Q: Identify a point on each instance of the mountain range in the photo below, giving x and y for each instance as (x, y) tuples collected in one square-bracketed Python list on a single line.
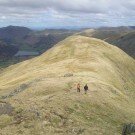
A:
[(25, 39)]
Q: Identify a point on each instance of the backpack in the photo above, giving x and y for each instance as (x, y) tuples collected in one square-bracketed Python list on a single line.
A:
[(86, 87)]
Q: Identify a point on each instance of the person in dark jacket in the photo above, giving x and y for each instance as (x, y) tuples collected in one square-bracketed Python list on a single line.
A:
[(86, 88)]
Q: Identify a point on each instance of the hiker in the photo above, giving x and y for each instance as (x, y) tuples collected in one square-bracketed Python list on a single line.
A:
[(86, 88), (78, 87)]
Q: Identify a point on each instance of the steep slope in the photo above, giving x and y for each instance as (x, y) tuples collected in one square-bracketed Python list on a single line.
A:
[(126, 43), (42, 90)]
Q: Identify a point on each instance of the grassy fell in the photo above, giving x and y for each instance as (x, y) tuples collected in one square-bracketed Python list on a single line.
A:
[(49, 103)]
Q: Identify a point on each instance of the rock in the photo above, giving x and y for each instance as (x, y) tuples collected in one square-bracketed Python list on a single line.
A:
[(6, 108), (128, 129), (45, 123), (68, 75)]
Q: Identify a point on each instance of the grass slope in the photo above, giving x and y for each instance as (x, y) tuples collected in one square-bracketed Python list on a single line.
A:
[(46, 102)]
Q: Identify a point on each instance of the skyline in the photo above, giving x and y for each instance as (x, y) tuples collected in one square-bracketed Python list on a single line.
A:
[(63, 14)]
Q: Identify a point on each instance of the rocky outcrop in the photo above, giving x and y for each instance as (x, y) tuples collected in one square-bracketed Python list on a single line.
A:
[(5, 108), (128, 129)]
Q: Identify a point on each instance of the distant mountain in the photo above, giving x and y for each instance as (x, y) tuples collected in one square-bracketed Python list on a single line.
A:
[(120, 28), (55, 31), (106, 33), (7, 51), (29, 40), (122, 37), (126, 43), (41, 42), (12, 34), (132, 27)]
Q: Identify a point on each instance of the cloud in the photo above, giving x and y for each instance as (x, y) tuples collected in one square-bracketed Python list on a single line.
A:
[(88, 11)]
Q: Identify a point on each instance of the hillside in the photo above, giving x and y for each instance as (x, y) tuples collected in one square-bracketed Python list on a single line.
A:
[(126, 43), (39, 96), (6, 54), (7, 51)]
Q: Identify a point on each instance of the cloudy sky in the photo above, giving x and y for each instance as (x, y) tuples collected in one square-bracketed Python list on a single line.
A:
[(67, 13)]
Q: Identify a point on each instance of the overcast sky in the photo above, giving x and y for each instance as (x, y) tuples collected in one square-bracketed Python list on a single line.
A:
[(67, 13)]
